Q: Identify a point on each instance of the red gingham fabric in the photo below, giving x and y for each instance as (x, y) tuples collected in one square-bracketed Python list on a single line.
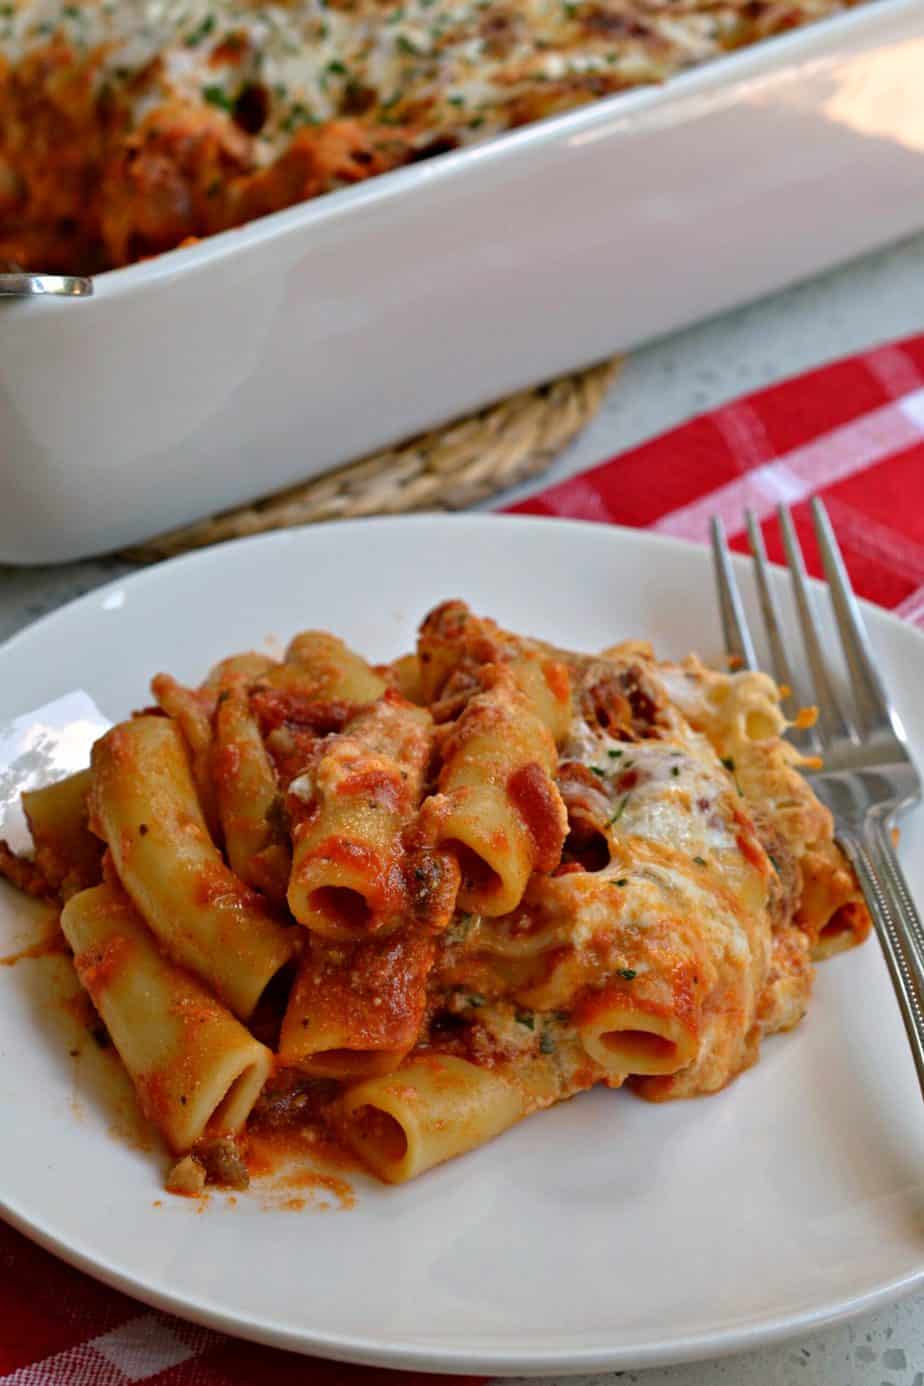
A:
[(852, 432), (60, 1328)]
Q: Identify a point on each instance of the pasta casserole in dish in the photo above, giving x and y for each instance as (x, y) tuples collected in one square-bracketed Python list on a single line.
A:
[(128, 127)]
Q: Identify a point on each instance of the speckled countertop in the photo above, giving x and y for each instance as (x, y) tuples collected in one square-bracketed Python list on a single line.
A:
[(873, 300)]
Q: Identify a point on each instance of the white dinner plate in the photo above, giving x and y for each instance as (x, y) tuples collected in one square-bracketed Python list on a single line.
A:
[(606, 1233)]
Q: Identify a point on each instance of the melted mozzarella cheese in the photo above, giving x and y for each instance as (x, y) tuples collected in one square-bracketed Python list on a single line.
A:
[(677, 795), (459, 65), (668, 791)]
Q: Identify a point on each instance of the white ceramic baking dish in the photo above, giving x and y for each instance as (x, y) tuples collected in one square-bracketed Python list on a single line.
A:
[(269, 354)]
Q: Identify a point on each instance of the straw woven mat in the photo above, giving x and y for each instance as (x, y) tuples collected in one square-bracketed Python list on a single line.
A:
[(448, 468)]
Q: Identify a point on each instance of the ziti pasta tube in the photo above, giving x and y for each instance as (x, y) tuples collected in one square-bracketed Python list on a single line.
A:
[(498, 807), (143, 804), (191, 711), (432, 1108), (68, 855), (348, 812), (194, 1067), (332, 669), (248, 798), (357, 1010)]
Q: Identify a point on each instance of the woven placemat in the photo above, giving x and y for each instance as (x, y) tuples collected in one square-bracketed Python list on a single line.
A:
[(445, 469)]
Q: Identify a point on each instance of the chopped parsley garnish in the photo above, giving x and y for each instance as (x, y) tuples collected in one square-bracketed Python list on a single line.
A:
[(201, 31), (404, 45), (474, 998), (526, 1018), (729, 764), (460, 928), (675, 770), (628, 974), (299, 115), (620, 810), (623, 880), (774, 862), (700, 861), (71, 12), (336, 67), (613, 754), (476, 122), (217, 96), (396, 16), (570, 9), (546, 1043), (597, 770)]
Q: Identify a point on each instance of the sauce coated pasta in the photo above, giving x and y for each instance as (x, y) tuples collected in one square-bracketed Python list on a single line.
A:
[(129, 127), (415, 903)]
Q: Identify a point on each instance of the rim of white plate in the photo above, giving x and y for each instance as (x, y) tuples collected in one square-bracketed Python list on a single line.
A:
[(410, 1355)]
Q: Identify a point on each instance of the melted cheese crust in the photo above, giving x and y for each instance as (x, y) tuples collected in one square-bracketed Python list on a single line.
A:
[(678, 894), (740, 714), (150, 121)]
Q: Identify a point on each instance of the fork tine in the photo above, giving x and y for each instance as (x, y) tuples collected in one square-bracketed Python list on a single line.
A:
[(738, 640), (873, 707), (831, 718), (805, 737), (781, 669)]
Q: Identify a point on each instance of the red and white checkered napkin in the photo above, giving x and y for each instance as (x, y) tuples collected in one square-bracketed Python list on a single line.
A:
[(60, 1328), (852, 432)]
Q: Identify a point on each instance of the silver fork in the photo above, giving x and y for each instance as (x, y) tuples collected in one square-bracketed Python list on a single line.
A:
[(868, 777)]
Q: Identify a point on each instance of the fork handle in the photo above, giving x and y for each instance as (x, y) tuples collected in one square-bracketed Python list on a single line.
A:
[(896, 921), (880, 828)]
